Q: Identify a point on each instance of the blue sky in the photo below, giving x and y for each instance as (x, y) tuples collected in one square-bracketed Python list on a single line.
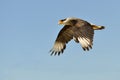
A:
[(28, 29)]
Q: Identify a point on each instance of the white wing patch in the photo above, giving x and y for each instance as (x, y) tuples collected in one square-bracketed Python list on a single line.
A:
[(85, 43), (58, 48)]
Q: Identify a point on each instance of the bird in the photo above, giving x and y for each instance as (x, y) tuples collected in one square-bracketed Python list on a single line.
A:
[(75, 29)]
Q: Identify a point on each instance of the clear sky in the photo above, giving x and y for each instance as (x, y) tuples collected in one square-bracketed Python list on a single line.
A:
[(28, 29)]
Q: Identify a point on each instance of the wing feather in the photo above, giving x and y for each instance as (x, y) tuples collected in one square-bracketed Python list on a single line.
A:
[(84, 34), (64, 36)]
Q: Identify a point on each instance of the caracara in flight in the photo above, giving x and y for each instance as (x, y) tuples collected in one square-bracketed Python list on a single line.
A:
[(77, 29)]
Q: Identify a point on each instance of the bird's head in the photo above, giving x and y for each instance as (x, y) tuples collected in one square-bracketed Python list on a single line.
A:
[(67, 21), (62, 21)]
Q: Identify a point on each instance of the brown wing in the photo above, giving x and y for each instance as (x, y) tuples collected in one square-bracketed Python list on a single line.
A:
[(64, 36), (84, 34)]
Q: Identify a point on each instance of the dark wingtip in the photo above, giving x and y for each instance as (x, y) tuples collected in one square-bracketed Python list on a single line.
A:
[(58, 53), (55, 53), (90, 46), (87, 48), (52, 52), (84, 49)]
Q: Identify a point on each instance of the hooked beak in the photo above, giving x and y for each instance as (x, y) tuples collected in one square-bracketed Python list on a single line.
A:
[(60, 22)]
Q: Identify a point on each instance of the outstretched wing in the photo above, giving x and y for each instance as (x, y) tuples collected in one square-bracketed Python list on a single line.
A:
[(83, 33), (64, 36)]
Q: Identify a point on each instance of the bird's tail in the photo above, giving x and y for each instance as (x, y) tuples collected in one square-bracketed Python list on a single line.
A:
[(95, 27)]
